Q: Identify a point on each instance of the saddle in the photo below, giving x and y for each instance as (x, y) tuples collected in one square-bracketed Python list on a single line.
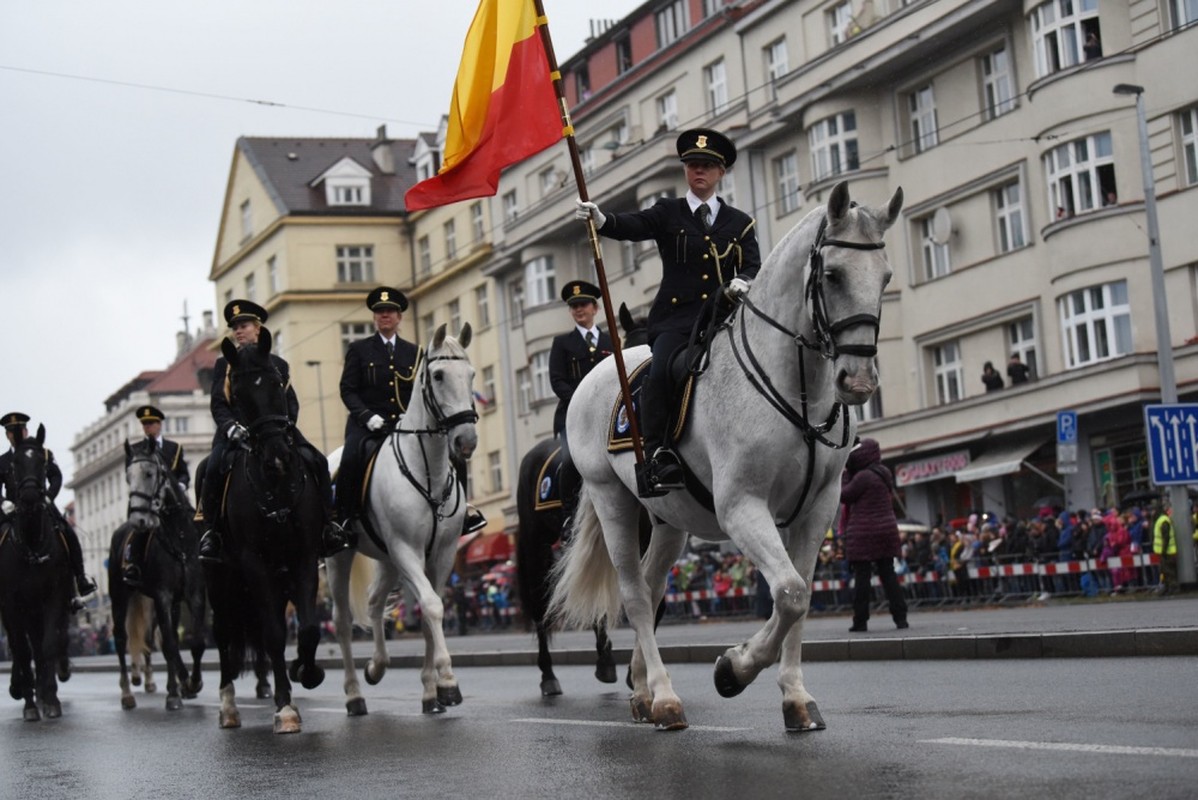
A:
[(681, 388), (369, 451), (549, 492)]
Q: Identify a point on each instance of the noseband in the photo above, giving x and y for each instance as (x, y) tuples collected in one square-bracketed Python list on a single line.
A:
[(444, 422), (825, 331), (154, 504)]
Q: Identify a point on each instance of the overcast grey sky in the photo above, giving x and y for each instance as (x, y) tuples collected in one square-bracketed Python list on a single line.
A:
[(113, 190)]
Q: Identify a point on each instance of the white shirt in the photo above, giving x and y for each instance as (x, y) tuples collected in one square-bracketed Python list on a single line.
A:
[(584, 331), (694, 202)]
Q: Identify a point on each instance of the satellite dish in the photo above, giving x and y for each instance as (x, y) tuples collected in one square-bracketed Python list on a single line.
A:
[(942, 226)]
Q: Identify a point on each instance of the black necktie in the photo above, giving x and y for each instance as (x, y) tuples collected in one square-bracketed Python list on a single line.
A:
[(590, 340), (391, 349), (703, 212)]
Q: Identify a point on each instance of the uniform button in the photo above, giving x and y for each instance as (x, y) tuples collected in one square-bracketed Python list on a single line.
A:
[(705, 256), (391, 400), (704, 297), (706, 277), (674, 300), (707, 238)]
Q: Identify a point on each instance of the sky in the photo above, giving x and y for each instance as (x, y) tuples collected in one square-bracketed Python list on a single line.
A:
[(116, 138)]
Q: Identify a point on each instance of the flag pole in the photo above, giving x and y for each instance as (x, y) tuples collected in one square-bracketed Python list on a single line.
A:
[(592, 234)]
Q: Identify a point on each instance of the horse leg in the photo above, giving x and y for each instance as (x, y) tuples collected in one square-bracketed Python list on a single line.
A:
[(170, 648), (799, 711), (49, 649), (120, 640), (274, 638), (550, 687), (262, 688), (605, 662), (385, 578), (338, 569), (196, 636), (22, 678)]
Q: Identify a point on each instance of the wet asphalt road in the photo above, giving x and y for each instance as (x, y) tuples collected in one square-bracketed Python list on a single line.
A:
[(1060, 728)]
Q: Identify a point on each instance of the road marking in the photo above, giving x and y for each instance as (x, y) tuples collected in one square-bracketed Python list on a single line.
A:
[(601, 724), (1114, 749)]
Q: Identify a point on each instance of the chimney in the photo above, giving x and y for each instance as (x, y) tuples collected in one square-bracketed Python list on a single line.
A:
[(380, 151), (182, 344), (209, 330)]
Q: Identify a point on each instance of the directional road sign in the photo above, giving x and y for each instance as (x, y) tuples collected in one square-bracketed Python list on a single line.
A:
[(1172, 433)]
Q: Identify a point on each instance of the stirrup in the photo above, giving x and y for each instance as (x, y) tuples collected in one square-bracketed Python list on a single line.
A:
[(85, 585), (210, 546), (475, 521), (131, 575), (335, 538)]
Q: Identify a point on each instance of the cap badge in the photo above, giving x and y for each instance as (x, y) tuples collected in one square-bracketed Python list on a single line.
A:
[(577, 290), (701, 141), (236, 310), (385, 296)]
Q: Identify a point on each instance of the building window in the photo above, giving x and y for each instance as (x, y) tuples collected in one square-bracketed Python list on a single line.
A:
[(1021, 337), (921, 106), (495, 468), (623, 54), (428, 326), (424, 256), (1184, 12), (711, 7), (251, 288), (716, 83), (1081, 175), (1008, 204), (998, 87), (482, 307), (247, 221), (510, 209), (586, 157), (777, 64), (451, 240), (539, 281), (523, 391), (455, 316), (352, 332), (1189, 142), (347, 196), (272, 275), (840, 19), (871, 409), (228, 296), (1064, 33), (182, 424), (786, 181), (477, 226), (667, 110), (489, 389), (515, 295), (935, 254), (833, 143), (950, 375), (671, 23), (355, 263), (582, 82), (1095, 324), (541, 389)]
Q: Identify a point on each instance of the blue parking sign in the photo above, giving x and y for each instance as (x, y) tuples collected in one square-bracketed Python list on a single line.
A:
[(1066, 427), (1171, 431)]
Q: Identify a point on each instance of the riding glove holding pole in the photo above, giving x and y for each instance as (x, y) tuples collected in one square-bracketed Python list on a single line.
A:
[(375, 423), (585, 209), (736, 289)]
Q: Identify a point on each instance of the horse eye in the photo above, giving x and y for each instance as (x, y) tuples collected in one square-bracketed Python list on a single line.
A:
[(438, 376)]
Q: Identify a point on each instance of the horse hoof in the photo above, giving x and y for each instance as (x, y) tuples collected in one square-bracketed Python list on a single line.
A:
[(230, 719), (725, 679), (64, 671), (551, 688), (191, 689), (174, 703), (151, 687), (432, 707), (605, 672), (369, 676), (356, 707), (293, 671), (32, 714), (128, 702), (135, 680), (802, 719), (53, 710), (263, 691), (14, 693), (669, 717), (449, 695), (287, 720), (641, 712), (311, 677)]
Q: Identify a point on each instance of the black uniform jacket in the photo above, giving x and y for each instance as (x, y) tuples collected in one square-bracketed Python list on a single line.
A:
[(222, 411), (570, 359), (694, 262), (374, 383), (53, 475), (172, 456)]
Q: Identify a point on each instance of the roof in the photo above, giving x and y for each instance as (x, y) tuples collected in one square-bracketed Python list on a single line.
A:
[(288, 166), (182, 377)]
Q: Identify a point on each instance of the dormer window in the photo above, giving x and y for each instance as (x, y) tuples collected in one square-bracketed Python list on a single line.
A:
[(346, 183)]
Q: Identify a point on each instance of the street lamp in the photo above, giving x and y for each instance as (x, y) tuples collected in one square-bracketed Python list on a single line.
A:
[(324, 440), (1178, 496)]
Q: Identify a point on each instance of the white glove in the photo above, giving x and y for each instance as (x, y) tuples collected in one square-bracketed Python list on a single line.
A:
[(7, 507), (375, 423), (236, 432), (586, 209), (182, 489), (736, 288)]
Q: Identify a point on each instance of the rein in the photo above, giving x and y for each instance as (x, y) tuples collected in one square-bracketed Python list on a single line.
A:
[(274, 505)]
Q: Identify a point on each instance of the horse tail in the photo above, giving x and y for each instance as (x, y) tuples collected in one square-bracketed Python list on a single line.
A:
[(586, 589), (360, 575), (534, 546), (138, 617)]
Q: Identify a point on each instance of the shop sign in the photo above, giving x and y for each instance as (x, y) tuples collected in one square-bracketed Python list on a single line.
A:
[(930, 469)]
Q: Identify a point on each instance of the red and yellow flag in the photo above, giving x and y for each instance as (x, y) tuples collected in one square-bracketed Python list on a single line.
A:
[(504, 106)]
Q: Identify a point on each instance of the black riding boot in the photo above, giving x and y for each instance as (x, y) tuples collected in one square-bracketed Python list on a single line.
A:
[(333, 537), (662, 471), (210, 541)]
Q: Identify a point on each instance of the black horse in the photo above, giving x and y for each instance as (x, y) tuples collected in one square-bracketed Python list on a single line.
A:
[(274, 514), (35, 584), (161, 525), (541, 518)]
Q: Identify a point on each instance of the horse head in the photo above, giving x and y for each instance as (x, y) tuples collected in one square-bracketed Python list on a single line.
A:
[(258, 393), (636, 330), (447, 390), (847, 273), (28, 478), (149, 484)]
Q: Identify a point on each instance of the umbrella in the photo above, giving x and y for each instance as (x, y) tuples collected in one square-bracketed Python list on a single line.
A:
[(913, 526), (1140, 497)]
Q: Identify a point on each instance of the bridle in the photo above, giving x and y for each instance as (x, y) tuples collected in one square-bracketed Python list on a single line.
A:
[(35, 511), (152, 502), (275, 504)]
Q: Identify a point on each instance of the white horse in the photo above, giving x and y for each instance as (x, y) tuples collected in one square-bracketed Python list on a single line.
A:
[(416, 508), (768, 435)]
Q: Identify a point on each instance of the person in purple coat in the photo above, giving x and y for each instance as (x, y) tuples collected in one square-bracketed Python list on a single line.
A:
[(870, 531)]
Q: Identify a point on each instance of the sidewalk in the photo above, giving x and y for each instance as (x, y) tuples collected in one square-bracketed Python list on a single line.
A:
[(1122, 627)]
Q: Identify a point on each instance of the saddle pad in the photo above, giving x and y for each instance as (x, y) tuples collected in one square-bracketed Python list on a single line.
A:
[(549, 493), (367, 474), (619, 437)]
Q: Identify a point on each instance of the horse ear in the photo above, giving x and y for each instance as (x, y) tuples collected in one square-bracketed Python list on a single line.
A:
[(838, 203), (128, 453), (626, 321), (439, 337), (41, 434), (229, 351), (265, 340), (465, 336), (894, 207)]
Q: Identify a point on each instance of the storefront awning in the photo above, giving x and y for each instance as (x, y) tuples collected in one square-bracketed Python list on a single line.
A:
[(998, 460), (488, 548)]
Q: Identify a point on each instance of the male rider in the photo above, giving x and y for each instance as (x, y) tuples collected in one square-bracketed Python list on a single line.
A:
[(171, 453)]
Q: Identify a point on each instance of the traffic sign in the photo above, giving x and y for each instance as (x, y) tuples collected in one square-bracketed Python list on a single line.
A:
[(1066, 459), (1066, 427), (1172, 433)]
